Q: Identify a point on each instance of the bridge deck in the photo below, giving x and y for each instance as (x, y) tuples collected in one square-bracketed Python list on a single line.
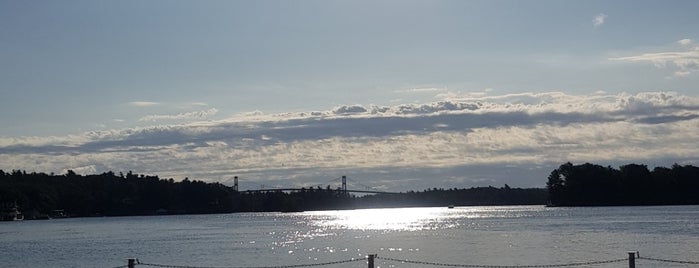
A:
[(299, 189)]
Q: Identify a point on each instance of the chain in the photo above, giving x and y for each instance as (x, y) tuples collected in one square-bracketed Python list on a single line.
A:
[(503, 266), (422, 263), (670, 261), (279, 266)]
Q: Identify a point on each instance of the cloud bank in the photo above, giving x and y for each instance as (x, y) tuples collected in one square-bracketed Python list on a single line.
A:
[(460, 142)]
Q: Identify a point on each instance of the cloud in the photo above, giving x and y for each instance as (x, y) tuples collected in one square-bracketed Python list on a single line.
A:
[(684, 62), (685, 42), (143, 103), (86, 170), (347, 110), (598, 20), (181, 116), (407, 145), (421, 90)]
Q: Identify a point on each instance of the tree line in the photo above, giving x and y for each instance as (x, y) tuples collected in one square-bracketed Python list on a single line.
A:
[(110, 194), (632, 184)]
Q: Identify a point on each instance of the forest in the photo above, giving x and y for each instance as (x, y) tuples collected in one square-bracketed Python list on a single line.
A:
[(632, 184), (40, 195)]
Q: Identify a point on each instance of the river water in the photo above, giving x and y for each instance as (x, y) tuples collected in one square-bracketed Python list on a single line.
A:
[(517, 235)]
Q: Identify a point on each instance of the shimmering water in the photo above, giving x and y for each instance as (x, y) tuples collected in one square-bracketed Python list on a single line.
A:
[(463, 235)]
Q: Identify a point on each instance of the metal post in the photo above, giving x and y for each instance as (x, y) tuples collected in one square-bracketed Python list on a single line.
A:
[(235, 183), (632, 259), (132, 263), (371, 260)]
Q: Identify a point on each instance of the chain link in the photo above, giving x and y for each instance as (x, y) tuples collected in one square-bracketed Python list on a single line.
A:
[(503, 266), (668, 261), (279, 266), (422, 263)]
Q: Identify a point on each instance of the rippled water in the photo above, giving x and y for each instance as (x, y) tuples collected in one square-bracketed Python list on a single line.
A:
[(464, 235)]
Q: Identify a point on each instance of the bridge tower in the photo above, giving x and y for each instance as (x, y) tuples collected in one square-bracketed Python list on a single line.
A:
[(235, 183), (344, 184)]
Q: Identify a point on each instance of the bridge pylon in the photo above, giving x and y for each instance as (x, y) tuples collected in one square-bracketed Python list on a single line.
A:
[(344, 184)]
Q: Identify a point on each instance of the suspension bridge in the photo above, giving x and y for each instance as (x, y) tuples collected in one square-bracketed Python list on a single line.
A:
[(343, 187)]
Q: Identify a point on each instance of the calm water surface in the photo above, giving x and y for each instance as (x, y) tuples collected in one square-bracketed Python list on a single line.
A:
[(518, 235)]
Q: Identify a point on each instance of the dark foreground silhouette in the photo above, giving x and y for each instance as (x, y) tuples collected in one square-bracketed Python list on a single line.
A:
[(41, 195), (632, 184)]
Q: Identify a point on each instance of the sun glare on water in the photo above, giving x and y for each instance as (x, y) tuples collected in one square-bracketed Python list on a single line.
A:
[(392, 219)]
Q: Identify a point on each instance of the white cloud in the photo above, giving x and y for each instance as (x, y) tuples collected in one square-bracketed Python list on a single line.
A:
[(526, 131), (681, 73), (86, 170), (598, 20), (685, 42), (421, 90), (684, 62), (196, 115), (143, 103)]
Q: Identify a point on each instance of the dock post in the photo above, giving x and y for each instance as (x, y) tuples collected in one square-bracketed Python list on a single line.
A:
[(132, 263), (632, 259), (371, 260)]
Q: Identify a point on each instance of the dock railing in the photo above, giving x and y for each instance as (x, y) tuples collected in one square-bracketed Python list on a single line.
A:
[(632, 259)]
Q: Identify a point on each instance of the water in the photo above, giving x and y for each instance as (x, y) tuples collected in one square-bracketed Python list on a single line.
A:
[(518, 235)]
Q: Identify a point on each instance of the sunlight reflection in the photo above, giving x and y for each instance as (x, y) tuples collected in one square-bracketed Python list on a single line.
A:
[(398, 219)]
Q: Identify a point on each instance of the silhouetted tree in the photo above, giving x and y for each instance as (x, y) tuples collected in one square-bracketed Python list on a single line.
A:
[(632, 184)]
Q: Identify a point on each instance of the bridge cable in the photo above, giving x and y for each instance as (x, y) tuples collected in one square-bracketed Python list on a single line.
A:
[(363, 185)]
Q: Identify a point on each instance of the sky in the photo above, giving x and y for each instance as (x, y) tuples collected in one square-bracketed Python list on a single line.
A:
[(396, 95)]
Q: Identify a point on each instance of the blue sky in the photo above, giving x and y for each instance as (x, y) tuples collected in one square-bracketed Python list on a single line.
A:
[(224, 86)]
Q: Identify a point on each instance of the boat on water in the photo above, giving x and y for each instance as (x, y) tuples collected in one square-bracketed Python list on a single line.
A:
[(58, 214), (10, 212), (450, 206)]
